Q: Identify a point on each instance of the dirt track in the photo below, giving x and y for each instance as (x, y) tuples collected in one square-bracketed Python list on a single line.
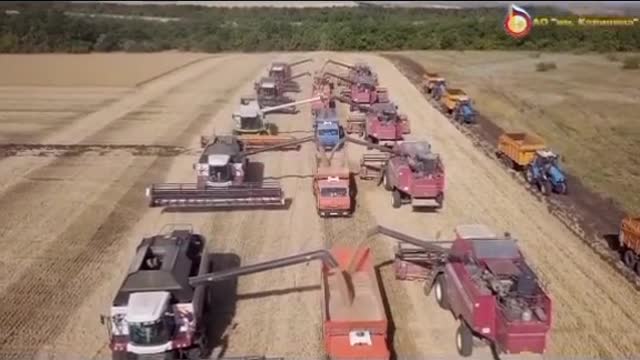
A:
[(85, 215)]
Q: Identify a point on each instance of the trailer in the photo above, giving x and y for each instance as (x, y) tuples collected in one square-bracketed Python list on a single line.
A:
[(431, 80), (354, 321), (452, 97), (629, 240), (487, 285)]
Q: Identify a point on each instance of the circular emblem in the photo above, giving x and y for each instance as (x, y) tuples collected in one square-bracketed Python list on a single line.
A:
[(518, 23)]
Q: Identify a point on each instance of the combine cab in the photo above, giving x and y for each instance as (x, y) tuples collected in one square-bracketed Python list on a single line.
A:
[(283, 74), (221, 180), (486, 283), (410, 170)]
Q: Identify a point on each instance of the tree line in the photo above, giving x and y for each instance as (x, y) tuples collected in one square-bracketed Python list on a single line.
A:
[(33, 27)]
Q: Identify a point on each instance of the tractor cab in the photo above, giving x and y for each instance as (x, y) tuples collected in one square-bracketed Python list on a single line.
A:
[(545, 172)]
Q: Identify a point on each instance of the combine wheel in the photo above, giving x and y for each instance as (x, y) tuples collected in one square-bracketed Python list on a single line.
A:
[(464, 339), (396, 199), (630, 259), (385, 179), (439, 291)]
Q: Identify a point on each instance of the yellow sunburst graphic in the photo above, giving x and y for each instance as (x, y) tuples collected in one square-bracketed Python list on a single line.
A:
[(517, 24)]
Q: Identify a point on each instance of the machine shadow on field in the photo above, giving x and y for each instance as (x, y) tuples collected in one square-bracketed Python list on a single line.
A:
[(387, 309), (222, 303), (278, 292)]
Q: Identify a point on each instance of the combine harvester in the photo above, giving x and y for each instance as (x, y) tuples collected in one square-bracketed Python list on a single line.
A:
[(354, 71), (282, 72), (270, 92), (362, 91), (486, 283), (161, 309), (457, 105), (250, 121), (156, 313), (221, 180), (333, 185), (410, 170), (379, 123), (528, 154)]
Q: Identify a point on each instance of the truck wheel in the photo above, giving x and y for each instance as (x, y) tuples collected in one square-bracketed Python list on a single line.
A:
[(630, 259), (387, 184), (464, 340), (440, 292), (396, 199)]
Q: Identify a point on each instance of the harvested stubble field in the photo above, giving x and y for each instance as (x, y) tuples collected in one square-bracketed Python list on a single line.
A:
[(70, 224)]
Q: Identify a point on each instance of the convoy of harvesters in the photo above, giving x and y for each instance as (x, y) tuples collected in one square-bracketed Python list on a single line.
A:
[(480, 277)]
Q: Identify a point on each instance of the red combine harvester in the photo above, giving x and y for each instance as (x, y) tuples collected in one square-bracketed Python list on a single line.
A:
[(379, 123), (410, 170), (221, 180), (283, 73), (355, 323), (355, 70), (362, 90), (488, 286)]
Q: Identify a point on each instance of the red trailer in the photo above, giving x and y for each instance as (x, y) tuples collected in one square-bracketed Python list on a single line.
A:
[(486, 283), (355, 323)]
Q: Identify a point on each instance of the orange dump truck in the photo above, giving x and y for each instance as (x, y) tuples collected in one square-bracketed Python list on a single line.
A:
[(430, 80), (630, 242), (452, 97), (517, 150), (332, 185), (354, 320)]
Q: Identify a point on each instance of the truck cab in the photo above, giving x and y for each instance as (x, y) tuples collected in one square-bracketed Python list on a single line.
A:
[(333, 196)]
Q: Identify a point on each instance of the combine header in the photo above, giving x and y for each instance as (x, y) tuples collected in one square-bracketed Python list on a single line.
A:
[(487, 284), (410, 170), (270, 92), (221, 180), (283, 74)]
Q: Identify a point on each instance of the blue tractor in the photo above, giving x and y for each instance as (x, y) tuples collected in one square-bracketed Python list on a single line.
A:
[(464, 113), (327, 128), (545, 172)]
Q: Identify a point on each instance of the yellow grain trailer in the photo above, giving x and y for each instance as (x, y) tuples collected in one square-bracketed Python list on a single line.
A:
[(517, 150)]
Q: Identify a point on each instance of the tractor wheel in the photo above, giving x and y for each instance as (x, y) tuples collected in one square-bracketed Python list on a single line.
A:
[(563, 189), (630, 258), (396, 199), (120, 355), (440, 292), (637, 269), (545, 187), (385, 180), (528, 175), (464, 339)]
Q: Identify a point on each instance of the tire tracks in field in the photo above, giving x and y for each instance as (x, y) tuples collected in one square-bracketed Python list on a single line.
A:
[(39, 304)]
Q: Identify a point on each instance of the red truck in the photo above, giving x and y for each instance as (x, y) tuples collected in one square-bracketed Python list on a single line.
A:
[(332, 185), (354, 320)]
